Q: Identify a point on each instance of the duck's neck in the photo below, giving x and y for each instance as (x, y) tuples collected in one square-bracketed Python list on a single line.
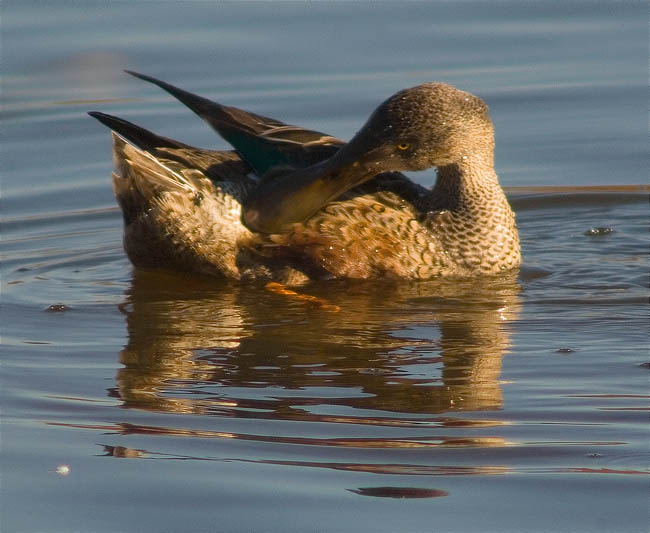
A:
[(472, 216), (466, 185)]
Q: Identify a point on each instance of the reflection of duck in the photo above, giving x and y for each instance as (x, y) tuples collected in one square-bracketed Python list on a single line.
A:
[(232, 344), (322, 207)]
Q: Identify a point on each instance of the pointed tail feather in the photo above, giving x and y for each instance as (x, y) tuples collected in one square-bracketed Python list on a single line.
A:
[(140, 137), (213, 113)]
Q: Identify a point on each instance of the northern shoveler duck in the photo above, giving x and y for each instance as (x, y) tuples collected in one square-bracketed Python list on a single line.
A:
[(291, 204)]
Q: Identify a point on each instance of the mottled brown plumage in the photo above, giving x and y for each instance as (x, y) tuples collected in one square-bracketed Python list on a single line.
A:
[(183, 206)]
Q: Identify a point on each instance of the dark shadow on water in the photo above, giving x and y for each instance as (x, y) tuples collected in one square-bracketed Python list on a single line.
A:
[(399, 492)]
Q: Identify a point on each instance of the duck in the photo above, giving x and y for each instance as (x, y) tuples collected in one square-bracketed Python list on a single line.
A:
[(290, 205)]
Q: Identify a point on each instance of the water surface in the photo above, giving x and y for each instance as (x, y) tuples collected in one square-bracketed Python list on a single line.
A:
[(516, 403)]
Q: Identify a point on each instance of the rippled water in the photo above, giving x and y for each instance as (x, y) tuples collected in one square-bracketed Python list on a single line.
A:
[(188, 404)]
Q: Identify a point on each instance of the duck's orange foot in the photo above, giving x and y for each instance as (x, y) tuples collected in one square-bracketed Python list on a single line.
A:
[(321, 303)]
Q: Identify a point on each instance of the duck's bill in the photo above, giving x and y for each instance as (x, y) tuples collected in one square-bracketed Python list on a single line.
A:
[(280, 202)]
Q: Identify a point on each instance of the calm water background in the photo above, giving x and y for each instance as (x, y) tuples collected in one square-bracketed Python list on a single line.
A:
[(184, 404)]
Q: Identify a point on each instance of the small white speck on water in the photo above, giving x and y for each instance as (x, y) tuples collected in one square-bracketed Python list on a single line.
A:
[(464, 157), (62, 470)]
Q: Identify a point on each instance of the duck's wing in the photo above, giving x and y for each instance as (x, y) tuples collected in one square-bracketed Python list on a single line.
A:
[(261, 141)]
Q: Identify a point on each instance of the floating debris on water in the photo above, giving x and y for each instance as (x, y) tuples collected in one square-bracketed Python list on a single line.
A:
[(597, 232), (57, 308), (565, 350), (124, 452)]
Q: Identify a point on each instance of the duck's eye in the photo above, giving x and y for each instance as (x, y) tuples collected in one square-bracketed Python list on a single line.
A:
[(403, 146)]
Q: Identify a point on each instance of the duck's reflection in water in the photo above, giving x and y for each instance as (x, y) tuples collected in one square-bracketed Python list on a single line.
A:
[(393, 353)]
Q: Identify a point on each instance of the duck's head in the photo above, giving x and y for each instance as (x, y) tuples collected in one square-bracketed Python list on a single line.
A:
[(433, 124)]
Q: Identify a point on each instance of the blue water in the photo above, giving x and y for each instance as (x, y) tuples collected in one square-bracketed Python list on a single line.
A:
[(186, 404)]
